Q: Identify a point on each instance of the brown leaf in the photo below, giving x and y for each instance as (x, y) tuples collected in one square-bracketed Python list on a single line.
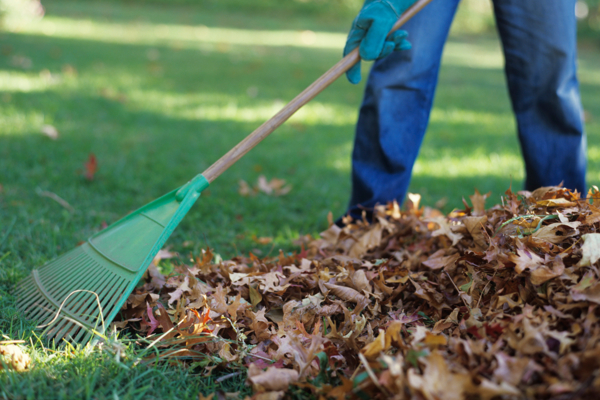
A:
[(475, 227), (331, 235), (437, 381), (371, 239), (245, 190), (588, 289), (441, 262), (91, 167), (13, 356), (445, 229), (558, 232), (545, 273), (346, 293), (478, 202), (525, 259), (434, 340), (556, 203), (274, 187), (372, 350), (255, 296), (262, 240), (157, 279), (274, 379), (259, 324), (594, 216), (590, 249)]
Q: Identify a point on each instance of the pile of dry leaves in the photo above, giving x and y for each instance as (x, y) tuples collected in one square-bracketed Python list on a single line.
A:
[(497, 303)]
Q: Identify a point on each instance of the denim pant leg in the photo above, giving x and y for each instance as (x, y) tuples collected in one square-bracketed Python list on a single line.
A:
[(540, 47), (395, 110)]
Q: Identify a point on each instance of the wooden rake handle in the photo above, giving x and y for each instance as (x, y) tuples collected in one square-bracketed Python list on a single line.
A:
[(307, 95)]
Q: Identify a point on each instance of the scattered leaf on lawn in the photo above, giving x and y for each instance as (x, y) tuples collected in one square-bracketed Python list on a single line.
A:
[(14, 357), (50, 131), (91, 167)]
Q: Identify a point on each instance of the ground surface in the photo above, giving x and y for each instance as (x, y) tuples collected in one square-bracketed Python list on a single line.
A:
[(159, 93)]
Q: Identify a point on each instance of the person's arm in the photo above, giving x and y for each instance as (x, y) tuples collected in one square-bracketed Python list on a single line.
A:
[(370, 31)]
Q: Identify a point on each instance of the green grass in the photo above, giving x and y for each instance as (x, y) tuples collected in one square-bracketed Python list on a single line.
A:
[(158, 94)]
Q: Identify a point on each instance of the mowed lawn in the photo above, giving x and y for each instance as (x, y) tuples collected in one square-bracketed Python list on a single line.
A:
[(159, 93)]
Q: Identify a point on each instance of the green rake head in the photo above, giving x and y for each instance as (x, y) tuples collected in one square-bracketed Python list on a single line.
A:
[(83, 290)]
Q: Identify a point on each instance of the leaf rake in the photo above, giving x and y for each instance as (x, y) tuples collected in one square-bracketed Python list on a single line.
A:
[(79, 293)]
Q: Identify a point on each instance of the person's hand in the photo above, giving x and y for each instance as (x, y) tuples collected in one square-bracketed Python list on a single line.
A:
[(370, 31)]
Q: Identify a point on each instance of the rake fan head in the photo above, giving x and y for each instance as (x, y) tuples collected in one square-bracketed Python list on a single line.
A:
[(83, 290)]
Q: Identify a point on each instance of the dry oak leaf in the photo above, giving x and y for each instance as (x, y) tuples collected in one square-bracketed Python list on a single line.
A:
[(525, 259), (360, 281), (556, 203), (245, 190), (445, 229), (558, 232), (346, 293), (511, 369), (594, 216), (259, 324), (380, 344), (91, 167), (371, 239), (278, 395), (437, 381), (588, 289), (590, 249), (545, 273), (331, 235), (274, 379), (475, 227), (533, 340), (478, 201), (184, 287), (275, 187), (436, 261), (432, 339), (13, 356), (489, 390)]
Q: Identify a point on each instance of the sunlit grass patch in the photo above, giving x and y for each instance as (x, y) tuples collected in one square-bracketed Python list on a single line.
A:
[(180, 36)]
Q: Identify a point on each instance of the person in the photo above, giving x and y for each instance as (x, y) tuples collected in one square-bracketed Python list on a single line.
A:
[(539, 43)]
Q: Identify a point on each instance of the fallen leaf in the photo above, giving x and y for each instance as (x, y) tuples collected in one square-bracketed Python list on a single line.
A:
[(13, 356), (590, 249), (274, 379), (346, 293), (437, 381), (558, 232), (445, 229), (546, 272), (274, 187), (50, 131), (478, 202), (262, 239), (556, 203), (91, 167), (441, 262), (525, 259), (588, 289), (244, 189)]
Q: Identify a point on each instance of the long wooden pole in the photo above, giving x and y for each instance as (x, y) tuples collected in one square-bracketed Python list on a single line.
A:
[(307, 95)]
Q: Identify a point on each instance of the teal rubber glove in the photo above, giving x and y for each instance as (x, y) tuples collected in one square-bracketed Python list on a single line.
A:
[(370, 31)]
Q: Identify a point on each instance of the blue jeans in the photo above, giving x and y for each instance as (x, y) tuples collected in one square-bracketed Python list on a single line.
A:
[(539, 42)]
